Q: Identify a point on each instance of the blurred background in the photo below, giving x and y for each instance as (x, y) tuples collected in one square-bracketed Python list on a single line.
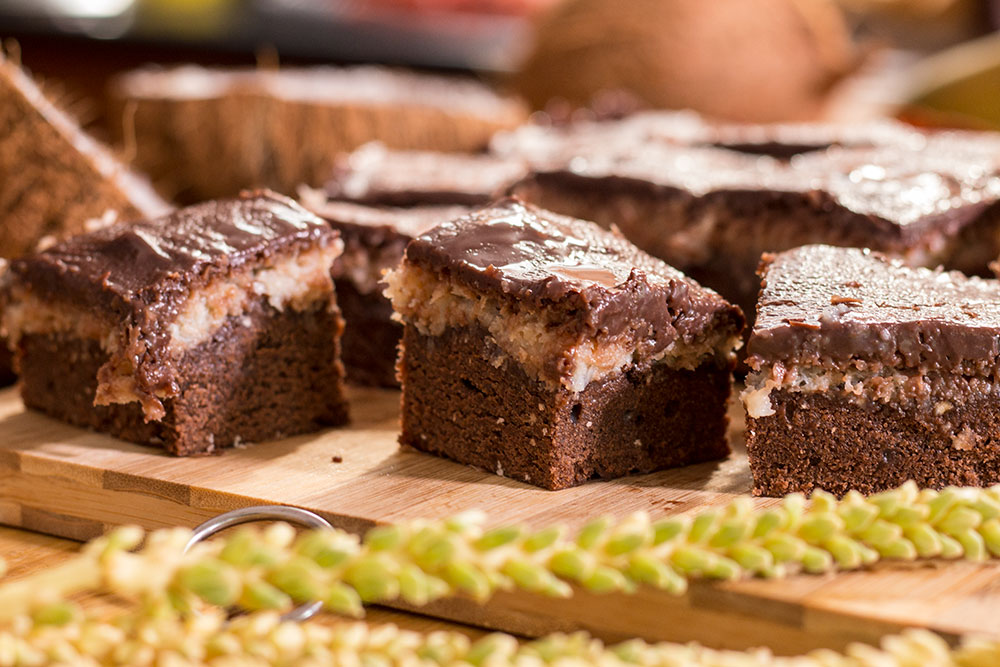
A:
[(932, 62)]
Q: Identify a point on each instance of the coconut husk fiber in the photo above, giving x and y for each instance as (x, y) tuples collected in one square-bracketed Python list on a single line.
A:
[(281, 129), (744, 60)]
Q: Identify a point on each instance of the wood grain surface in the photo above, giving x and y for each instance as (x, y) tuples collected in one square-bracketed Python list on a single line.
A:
[(65, 481)]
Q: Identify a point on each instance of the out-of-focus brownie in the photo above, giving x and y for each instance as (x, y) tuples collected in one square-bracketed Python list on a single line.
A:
[(867, 373), (211, 326), (378, 176), (282, 128), (55, 180), (374, 239), (537, 142), (712, 212), (549, 350)]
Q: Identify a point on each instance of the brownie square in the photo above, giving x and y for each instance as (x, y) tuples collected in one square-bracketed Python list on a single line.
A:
[(868, 373), (378, 176), (282, 128), (209, 327), (549, 350), (379, 200), (539, 142), (710, 201), (374, 238)]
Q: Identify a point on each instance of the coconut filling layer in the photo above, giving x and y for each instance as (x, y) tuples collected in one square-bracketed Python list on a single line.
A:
[(907, 387), (300, 282), (534, 339)]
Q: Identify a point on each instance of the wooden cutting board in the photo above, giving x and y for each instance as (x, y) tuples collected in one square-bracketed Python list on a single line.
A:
[(66, 481)]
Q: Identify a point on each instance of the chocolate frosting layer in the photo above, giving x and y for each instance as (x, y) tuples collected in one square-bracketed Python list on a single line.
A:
[(151, 264), (893, 194), (886, 181), (374, 175), (136, 276), (603, 284), (828, 306)]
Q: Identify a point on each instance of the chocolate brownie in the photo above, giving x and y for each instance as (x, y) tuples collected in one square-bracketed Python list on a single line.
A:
[(867, 373), (374, 239), (282, 128), (549, 350), (211, 326), (378, 176), (712, 212), (536, 141)]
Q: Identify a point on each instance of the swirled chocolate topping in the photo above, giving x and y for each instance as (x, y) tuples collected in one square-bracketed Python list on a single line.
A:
[(151, 265), (827, 306), (518, 252)]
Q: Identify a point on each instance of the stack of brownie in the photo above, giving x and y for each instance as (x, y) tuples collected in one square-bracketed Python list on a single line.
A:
[(531, 342)]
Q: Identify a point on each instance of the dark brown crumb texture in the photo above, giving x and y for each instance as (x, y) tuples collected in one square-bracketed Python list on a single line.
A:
[(276, 376), (818, 441), (458, 404)]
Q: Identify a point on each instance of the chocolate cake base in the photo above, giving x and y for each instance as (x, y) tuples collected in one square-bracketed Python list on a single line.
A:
[(263, 375), (460, 402), (818, 441), (370, 336)]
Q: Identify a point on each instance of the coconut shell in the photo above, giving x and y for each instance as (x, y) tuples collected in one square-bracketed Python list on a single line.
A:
[(745, 60)]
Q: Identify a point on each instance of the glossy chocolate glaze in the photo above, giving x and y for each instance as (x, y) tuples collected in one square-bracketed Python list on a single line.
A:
[(890, 194), (829, 306), (374, 175), (603, 283), (136, 276)]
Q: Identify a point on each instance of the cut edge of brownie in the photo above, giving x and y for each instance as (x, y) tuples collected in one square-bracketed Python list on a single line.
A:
[(867, 373), (513, 425)]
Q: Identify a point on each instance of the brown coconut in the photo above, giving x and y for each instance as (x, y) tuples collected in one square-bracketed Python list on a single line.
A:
[(206, 133), (751, 60)]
